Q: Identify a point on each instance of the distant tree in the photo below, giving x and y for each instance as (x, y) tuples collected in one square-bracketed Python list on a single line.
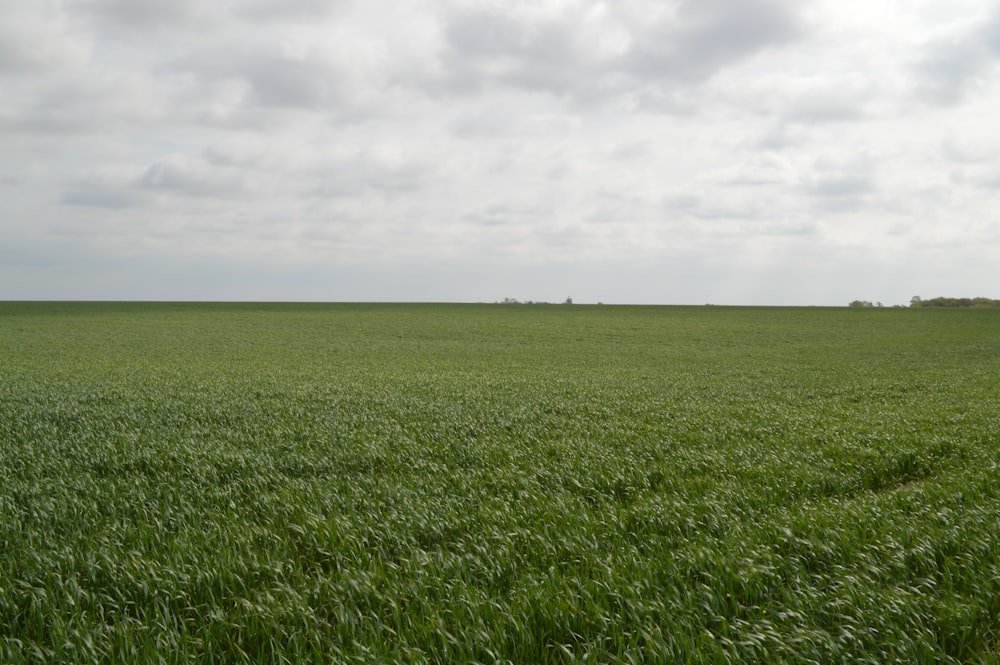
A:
[(915, 301), (569, 301), (861, 303), (962, 303)]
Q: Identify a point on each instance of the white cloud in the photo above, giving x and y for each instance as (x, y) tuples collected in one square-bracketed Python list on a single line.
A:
[(702, 36), (597, 51), (36, 37), (459, 145), (958, 58)]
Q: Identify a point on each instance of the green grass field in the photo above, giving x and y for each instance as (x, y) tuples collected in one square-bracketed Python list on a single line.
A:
[(206, 483)]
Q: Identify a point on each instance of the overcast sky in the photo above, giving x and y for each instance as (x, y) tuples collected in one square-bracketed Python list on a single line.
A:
[(770, 152)]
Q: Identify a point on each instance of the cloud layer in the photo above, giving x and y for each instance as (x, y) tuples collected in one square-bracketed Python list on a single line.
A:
[(752, 151)]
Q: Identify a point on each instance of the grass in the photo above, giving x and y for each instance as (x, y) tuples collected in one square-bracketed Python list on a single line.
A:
[(223, 483)]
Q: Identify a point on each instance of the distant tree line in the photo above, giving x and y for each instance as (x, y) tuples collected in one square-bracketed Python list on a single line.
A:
[(917, 301), (977, 303), (515, 301)]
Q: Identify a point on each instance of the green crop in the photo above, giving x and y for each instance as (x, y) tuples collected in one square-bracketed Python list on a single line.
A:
[(224, 483)]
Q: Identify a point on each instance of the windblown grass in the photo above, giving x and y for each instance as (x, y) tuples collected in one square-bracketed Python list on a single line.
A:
[(186, 483)]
